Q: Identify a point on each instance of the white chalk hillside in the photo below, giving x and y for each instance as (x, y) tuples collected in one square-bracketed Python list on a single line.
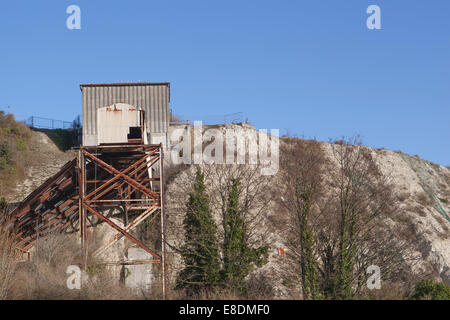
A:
[(422, 187)]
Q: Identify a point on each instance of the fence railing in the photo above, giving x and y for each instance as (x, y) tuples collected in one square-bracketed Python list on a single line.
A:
[(237, 117), (45, 123)]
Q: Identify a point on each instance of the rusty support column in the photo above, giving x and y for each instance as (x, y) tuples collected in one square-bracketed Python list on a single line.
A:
[(80, 202), (125, 205), (163, 240), (82, 209)]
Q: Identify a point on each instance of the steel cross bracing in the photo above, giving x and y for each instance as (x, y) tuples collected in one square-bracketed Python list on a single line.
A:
[(105, 176), (133, 177)]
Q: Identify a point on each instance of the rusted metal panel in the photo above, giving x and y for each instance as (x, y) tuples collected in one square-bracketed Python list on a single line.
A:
[(114, 122), (152, 98)]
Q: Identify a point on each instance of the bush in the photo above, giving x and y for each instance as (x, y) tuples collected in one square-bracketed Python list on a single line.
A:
[(428, 289)]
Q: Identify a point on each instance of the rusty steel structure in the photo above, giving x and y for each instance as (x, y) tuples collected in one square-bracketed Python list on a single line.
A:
[(152, 98), (116, 168), (127, 175)]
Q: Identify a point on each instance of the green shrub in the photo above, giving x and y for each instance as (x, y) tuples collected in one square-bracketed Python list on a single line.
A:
[(3, 163), (21, 145), (428, 289), (95, 269), (3, 204)]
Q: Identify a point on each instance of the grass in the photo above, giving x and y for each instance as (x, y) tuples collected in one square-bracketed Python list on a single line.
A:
[(45, 277)]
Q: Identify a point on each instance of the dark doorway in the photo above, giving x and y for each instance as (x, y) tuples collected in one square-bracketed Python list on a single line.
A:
[(135, 133)]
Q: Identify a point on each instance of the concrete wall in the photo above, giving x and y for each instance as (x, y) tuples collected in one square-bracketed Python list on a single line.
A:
[(139, 276)]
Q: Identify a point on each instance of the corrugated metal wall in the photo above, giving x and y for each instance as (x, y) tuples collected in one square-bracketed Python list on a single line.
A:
[(153, 98)]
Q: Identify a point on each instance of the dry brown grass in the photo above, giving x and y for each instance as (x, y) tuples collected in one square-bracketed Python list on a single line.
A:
[(223, 294), (403, 196), (7, 253), (424, 199), (388, 291), (45, 277)]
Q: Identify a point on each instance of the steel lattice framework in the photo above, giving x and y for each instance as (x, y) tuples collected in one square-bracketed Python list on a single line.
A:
[(129, 176)]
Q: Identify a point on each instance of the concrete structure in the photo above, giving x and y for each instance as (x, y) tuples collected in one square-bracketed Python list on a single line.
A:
[(139, 276)]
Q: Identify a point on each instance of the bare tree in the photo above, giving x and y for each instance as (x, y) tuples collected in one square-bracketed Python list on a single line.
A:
[(50, 248), (365, 205), (340, 213), (302, 164)]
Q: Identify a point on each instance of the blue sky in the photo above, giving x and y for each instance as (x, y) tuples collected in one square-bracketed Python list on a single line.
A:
[(310, 67)]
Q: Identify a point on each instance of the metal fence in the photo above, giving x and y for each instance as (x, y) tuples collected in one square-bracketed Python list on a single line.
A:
[(45, 123), (237, 117)]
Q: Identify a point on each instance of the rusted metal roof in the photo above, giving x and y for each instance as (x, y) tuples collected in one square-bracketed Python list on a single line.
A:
[(124, 84), (118, 84)]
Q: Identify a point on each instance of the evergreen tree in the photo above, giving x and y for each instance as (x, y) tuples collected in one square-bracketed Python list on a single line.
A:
[(239, 258), (200, 251)]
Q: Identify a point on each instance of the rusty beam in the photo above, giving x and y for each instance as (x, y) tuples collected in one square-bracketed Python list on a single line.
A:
[(119, 174), (138, 220), (126, 234)]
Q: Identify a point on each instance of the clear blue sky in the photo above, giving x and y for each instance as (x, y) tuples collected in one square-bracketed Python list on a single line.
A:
[(311, 66)]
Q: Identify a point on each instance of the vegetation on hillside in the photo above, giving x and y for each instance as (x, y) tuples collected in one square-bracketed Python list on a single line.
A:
[(214, 264), (337, 211), (14, 146), (238, 257), (200, 251), (428, 289), (7, 265), (16, 149), (334, 215)]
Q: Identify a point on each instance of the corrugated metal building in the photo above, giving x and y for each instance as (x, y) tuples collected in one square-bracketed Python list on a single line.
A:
[(153, 98)]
